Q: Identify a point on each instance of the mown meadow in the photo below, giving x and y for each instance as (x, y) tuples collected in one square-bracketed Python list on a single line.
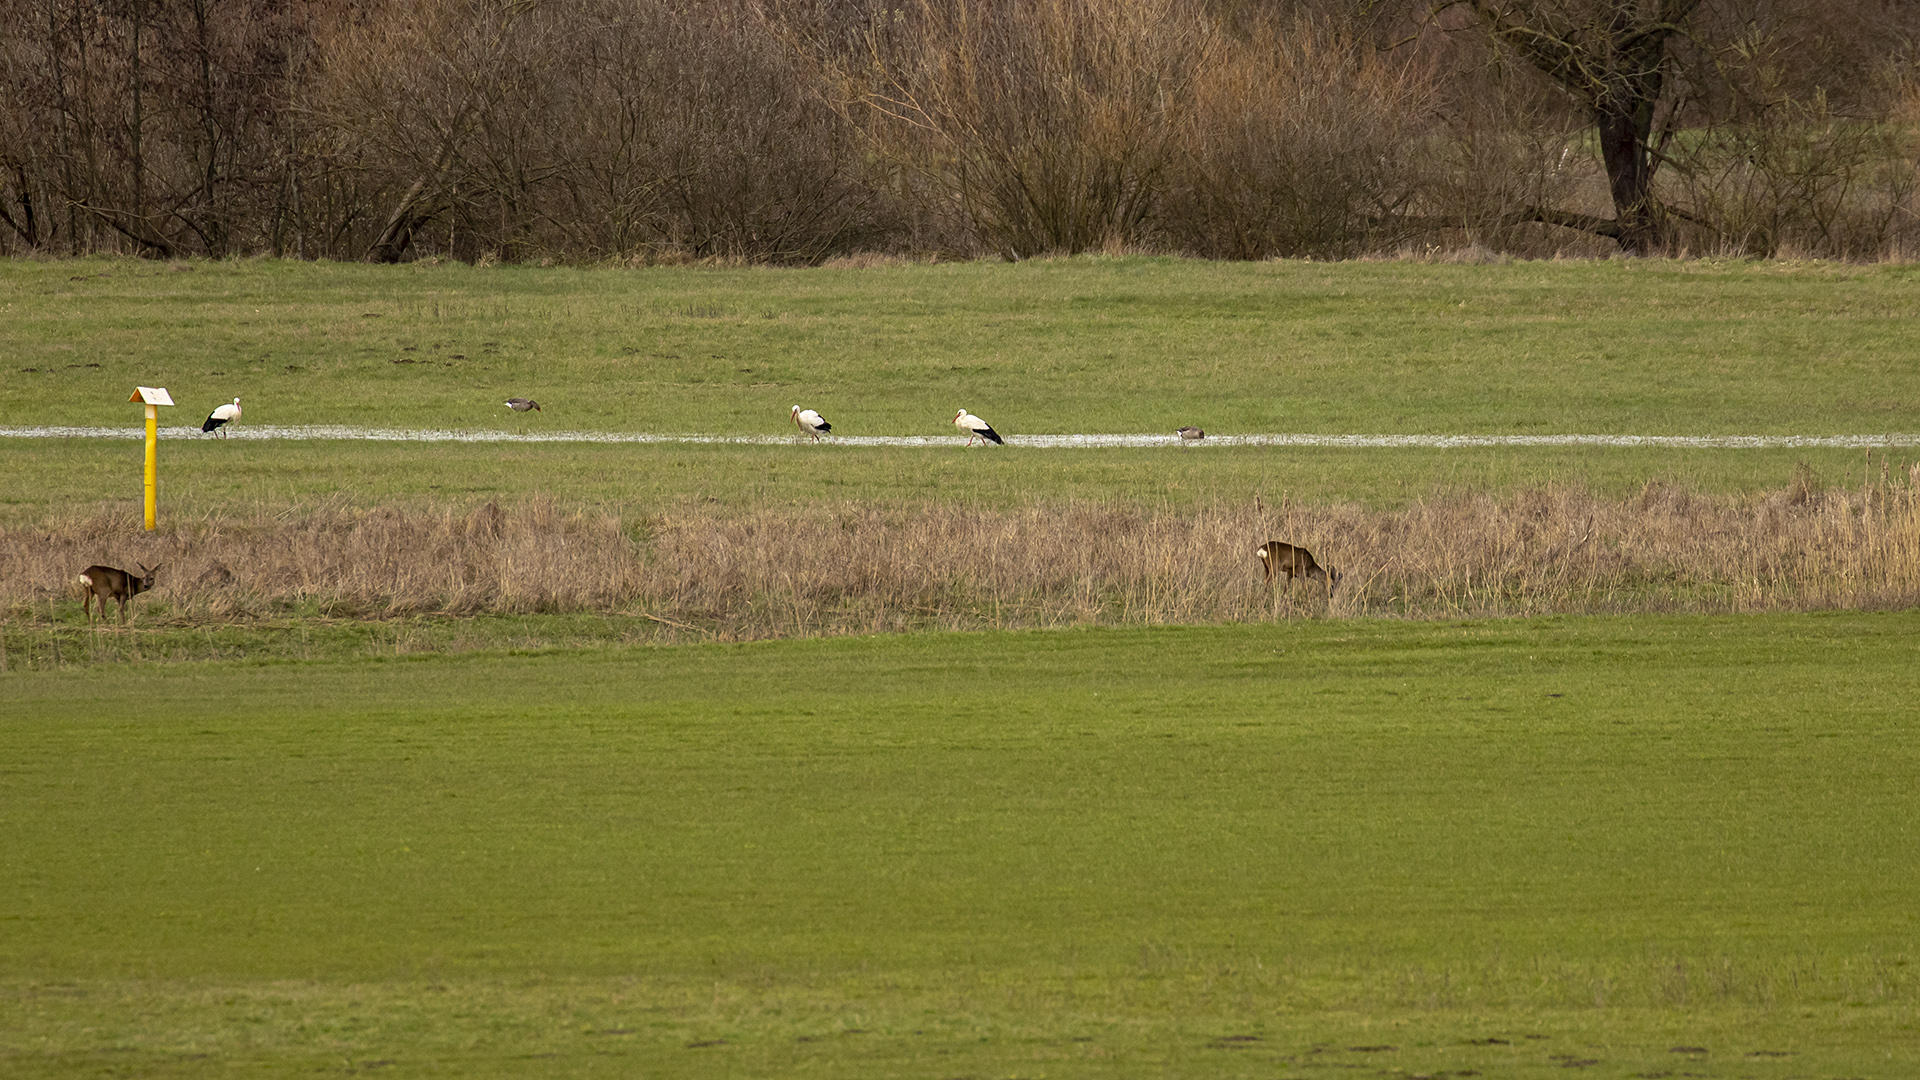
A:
[(759, 760), (1652, 845), (1644, 347)]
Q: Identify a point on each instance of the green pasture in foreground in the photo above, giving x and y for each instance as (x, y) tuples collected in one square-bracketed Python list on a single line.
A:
[(1049, 346), (1643, 846), (56, 477)]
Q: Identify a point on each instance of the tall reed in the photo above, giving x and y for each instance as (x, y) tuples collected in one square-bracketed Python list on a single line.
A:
[(733, 572)]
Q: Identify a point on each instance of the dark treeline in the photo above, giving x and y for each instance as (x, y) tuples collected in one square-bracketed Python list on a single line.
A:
[(802, 130)]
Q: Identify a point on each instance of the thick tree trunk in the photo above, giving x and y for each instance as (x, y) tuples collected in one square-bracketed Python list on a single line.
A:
[(1611, 56), (407, 218), (1629, 164)]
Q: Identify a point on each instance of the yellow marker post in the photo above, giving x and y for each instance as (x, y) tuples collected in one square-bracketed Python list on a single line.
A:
[(154, 397)]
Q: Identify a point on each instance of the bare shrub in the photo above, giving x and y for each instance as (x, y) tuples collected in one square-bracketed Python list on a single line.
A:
[(638, 130), (1031, 126), (774, 571), (1798, 175), (1300, 142), (1504, 163), (697, 134)]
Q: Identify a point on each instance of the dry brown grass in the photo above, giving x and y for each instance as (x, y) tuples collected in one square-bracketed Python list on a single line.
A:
[(702, 570)]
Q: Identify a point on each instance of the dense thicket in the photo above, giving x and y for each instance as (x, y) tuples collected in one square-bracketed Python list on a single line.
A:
[(795, 132)]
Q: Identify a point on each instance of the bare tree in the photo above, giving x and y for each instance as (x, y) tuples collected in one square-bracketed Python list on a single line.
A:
[(1615, 59), (1036, 125), (156, 123), (792, 131), (588, 129), (701, 133), (415, 82)]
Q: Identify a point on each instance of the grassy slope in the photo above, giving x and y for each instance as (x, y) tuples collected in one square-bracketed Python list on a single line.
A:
[(1102, 345), (1618, 835)]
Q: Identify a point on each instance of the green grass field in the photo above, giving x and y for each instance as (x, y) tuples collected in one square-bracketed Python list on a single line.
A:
[(1073, 345), (1627, 847), (1240, 851), (1078, 345), (197, 479)]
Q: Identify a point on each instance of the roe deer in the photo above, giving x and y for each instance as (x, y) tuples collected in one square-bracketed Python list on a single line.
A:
[(108, 583), (1284, 558)]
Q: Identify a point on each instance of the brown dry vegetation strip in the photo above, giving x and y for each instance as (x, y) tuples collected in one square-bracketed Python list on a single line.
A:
[(778, 570)]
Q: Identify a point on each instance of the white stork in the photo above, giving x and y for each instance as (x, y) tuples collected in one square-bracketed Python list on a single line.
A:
[(219, 417), (520, 404), (976, 428), (810, 422)]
